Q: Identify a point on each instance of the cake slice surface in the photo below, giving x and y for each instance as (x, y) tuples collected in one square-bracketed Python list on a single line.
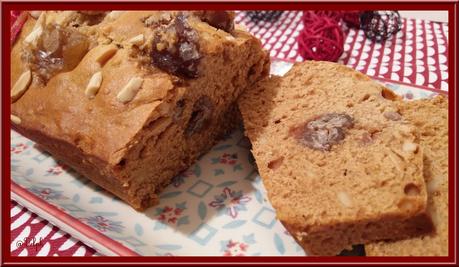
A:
[(340, 164), (431, 118)]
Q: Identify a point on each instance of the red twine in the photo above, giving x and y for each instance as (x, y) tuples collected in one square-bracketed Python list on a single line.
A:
[(311, 16), (321, 39)]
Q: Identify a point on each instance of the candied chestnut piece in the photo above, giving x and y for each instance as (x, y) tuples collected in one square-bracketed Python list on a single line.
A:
[(220, 19), (200, 116), (57, 50), (324, 131), (176, 49)]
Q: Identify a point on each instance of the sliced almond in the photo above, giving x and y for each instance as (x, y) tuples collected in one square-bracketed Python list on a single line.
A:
[(93, 85), (409, 147), (130, 90), (32, 38), (137, 40), (40, 21), (344, 198), (105, 53), (37, 30), (434, 184), (21, 85), (15, 119)]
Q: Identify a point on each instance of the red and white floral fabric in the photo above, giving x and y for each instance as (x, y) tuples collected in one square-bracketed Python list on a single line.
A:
[(418, 54)]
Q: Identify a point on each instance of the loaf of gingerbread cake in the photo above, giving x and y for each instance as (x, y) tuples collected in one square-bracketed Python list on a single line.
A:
[(341, 166), (130, 99), (431, 118)]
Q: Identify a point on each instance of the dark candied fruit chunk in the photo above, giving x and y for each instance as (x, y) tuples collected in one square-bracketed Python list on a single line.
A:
[(57, 50), (200, 116), (324, 131), (176, 49)]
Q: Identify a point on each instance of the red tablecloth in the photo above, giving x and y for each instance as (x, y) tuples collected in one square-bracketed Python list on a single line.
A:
[(33, 236), (417, 55)]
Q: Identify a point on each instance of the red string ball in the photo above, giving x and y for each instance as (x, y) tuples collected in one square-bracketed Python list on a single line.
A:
[(312, 15), (352, 18), (321, 38)]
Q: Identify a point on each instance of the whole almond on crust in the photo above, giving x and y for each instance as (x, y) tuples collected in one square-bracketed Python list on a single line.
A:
[(137, 40), (34, 35), (21, 85), (129, 91), (93, 85), (15, 119), (105, 53), (37, 30)]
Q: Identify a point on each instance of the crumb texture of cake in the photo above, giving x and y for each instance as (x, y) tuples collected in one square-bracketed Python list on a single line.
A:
[(340, 164), (131, 98), (431, 118)]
